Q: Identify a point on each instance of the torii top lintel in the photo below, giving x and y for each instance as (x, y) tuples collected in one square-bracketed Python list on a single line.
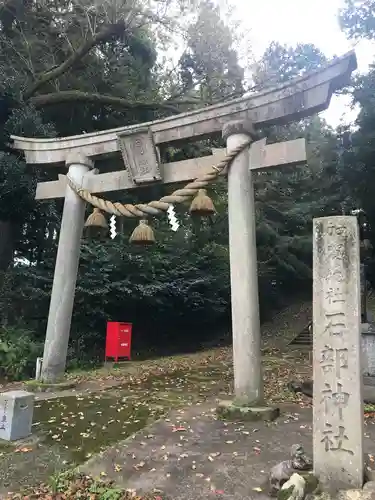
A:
[(298, 98)]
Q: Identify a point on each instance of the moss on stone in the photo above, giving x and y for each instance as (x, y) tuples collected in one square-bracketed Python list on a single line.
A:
[(38, 386), (323, 495), (285, 494), (312, 482), (5, 445), (228, 410)]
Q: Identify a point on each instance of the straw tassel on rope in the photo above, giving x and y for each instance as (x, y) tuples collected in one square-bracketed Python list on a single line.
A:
[(202, 204), (96, 224), (143, 234)]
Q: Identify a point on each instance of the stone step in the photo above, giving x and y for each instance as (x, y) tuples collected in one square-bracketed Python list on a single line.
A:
[(304, 338)]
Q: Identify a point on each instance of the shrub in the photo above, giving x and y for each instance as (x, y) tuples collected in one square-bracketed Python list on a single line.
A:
[(18, 353)]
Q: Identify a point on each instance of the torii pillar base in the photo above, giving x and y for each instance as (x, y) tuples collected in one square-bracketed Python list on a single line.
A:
[(229, 410)]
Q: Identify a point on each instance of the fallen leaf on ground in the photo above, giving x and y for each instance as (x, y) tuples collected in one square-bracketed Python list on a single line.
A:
[(178, 429), (139, 466)]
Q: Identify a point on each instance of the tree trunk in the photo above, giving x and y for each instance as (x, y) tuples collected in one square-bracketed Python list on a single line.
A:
[(74, 96), (6, 245), (6, 259)]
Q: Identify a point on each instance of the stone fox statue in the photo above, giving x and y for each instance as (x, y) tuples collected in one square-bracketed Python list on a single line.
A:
[(281, 473), (305, 387)]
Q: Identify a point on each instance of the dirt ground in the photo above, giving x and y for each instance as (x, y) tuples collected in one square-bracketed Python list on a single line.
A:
[(192, 455), (110, 405)]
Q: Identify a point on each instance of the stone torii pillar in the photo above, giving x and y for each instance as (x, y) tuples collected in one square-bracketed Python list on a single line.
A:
[(248, 384), (138, 144), (66, 269)]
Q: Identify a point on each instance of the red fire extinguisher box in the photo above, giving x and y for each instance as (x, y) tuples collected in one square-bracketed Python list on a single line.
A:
[(118, 341)]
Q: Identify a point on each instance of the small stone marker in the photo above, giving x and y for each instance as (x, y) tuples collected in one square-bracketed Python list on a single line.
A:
[(16, 414), (338, 401)]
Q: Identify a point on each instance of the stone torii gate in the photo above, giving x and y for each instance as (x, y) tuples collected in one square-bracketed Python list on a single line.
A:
[(138, 147)]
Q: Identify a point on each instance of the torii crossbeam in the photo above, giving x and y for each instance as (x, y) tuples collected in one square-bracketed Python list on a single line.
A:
[(138, 147)]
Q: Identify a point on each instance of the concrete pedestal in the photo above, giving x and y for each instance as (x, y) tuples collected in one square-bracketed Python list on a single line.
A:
[(16, 415)]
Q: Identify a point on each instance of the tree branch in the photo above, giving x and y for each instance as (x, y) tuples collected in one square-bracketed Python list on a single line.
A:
[(119, 102), (103, 35)]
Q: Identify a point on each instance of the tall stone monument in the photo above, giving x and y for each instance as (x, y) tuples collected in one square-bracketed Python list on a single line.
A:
[(338, 400)]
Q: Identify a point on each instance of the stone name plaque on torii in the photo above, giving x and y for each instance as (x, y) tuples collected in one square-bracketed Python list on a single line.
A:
[(138, 146), (140, 156)]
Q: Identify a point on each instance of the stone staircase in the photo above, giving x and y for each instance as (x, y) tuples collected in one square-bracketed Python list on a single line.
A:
[(304, 339)]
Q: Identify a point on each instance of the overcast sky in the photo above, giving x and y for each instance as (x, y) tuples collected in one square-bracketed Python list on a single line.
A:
[(306, 21)]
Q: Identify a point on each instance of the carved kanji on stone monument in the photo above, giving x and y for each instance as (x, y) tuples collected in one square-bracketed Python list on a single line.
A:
[(338, 401)]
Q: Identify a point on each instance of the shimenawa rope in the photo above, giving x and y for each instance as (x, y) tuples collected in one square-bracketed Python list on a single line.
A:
[(158, 207)]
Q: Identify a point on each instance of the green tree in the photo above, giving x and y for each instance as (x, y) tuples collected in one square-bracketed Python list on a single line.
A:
[(288, 199), (17, 186), (209, 67), (54, 55), (358, 156), (280, 63), (358, 21), (357, 18)]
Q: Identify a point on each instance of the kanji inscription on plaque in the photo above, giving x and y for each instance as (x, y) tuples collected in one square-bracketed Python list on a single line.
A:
[(140, 156)]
